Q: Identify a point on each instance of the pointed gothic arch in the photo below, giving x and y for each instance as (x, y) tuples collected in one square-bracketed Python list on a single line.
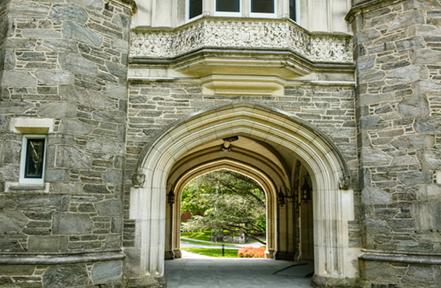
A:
[(252, 172), (332, 205)]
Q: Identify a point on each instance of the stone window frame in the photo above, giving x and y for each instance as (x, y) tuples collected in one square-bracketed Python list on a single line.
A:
[(30, 127), (24, 155)]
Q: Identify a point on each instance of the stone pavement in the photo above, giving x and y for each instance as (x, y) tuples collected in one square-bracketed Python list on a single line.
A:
[(231, 273)]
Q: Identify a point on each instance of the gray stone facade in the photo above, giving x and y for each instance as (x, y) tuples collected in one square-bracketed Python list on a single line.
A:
[(3, 32), (68, 61)]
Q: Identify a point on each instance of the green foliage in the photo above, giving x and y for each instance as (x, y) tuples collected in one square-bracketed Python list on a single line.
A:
[(185, 240), (225, 202)]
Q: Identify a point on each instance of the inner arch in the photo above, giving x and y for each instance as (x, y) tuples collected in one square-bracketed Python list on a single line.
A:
[(254, 173)]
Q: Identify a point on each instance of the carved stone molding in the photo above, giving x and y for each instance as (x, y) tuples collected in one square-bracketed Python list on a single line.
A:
[(345, 182), (138, 180), (240, 33)]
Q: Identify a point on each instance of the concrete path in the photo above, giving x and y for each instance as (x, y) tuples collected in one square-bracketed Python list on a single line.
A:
[(235, 273), (195, 243), (189, 255)]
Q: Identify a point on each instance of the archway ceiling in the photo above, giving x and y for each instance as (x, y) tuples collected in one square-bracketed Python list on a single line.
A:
[(244, 143), (274, 161)]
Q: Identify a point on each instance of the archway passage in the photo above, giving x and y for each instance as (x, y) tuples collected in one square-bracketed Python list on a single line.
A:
[(269, 146), (216, 273), (244, 156), (222, 214)]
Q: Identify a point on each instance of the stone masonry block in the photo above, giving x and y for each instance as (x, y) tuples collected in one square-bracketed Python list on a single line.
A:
[(69, 223)]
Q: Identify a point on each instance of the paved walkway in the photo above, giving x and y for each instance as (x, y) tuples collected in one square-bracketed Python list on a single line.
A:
[(189, 255), (235, 273), (195, 243)]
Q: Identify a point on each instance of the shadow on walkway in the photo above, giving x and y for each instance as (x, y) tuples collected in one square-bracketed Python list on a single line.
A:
[(232, 273)]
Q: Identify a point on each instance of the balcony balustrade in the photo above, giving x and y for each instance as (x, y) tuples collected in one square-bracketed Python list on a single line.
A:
[(241, 33), (238, 56)]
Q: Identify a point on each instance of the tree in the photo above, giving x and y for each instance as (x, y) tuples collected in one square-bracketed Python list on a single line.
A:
[(225, 201)]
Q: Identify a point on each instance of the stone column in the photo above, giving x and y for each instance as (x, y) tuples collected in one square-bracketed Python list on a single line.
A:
[(398, 68)]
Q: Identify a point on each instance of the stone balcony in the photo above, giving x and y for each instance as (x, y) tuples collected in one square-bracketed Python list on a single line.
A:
[(232, 52)]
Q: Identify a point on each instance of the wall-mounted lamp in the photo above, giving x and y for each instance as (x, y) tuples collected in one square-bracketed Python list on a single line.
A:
[(171, 197), (281, 198), (226, 146), (306, 191)]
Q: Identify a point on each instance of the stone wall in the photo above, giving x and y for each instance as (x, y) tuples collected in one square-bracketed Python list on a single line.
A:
[(3, 32), (379, 274), (86, 274), (398, 103), (155, 105), (66, 61)]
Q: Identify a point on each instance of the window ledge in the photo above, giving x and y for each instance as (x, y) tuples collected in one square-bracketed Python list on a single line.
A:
[(20, 187)]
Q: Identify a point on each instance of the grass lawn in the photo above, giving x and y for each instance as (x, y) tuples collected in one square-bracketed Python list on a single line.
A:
[(206, 236), (229, 253), (206, 243)]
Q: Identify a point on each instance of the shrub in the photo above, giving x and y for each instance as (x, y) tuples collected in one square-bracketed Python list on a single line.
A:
[(251, 252)]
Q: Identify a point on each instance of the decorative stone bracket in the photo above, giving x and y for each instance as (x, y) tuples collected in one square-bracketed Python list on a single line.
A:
[(138, 180), (345, 182)]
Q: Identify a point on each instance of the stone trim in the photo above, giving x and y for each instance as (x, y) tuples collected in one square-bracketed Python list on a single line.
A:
[(401, 258), (286, 116), (32, 125), (357, 8), (16, 187), (290, 58), (59, 259)]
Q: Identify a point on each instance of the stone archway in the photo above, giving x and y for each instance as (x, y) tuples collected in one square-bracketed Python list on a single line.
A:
[(254, 173), (332, 206)]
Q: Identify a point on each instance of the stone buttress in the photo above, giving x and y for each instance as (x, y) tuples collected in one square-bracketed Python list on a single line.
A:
[(398, 112)]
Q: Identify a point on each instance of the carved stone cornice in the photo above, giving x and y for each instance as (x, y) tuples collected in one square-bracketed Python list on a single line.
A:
[(240, 33)]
